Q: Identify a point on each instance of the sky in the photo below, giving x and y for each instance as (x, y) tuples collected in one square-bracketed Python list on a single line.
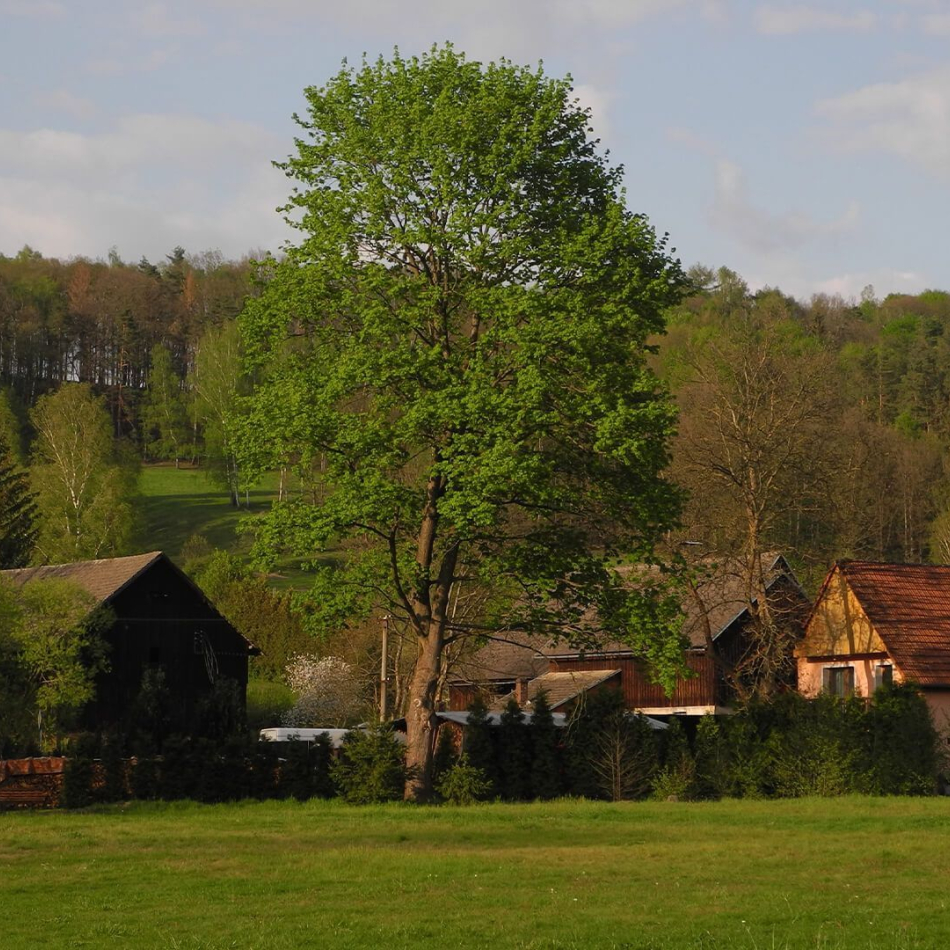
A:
[(805, 146)]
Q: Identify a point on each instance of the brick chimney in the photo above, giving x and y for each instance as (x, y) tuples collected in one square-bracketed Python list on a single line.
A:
[(521, 690)]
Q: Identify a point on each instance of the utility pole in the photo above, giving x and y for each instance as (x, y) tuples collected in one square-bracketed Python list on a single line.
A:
[(384, 673)]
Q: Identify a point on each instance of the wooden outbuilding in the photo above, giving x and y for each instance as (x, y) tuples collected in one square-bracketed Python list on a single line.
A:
[(519, 665), (163, 621)]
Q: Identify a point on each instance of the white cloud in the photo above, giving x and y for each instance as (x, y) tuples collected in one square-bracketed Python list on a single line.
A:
[(884, 281), (936, 24), (155, 19), (64, 102), (147, 184), (38, 9), (779, 21), (734, 213), (598, 101), (910, 118)]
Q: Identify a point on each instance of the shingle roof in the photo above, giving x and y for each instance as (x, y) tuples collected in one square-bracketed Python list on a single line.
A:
[(103, 579), (909, 607), (724, 593), (561, 687)]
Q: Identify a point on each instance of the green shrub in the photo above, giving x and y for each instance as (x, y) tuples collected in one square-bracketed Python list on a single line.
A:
[(463, 784), (612, 754), (546, 770), (371, 767), (267, 701)]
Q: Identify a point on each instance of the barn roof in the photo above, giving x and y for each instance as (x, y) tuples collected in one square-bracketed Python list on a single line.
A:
[(561, 687), (106, 578), (909, 607), (724, 591), (102, 579)]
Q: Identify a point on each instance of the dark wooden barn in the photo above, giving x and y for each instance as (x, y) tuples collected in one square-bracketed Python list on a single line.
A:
[(162, 621)]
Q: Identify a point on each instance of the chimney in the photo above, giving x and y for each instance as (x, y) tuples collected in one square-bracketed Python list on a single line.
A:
[(521, 690)]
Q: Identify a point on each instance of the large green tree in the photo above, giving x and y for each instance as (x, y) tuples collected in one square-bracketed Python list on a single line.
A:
[(457, 341)]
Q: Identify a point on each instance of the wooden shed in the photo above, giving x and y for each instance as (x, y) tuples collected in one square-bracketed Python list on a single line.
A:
[(519, 664), (162, 621)]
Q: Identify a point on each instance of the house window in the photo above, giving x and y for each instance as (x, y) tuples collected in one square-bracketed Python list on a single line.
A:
[(883, 675), (838, 680)]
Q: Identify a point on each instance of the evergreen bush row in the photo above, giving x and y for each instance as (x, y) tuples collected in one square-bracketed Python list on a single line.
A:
[(788, 748)]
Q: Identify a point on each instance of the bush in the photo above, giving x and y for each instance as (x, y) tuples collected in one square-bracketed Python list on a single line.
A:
[(79, 773), (267, 703), (463, 784), (371, 768), (612, 753), (546, 778)]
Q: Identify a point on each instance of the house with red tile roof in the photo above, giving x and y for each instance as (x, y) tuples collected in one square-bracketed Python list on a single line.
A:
[(873, 624)]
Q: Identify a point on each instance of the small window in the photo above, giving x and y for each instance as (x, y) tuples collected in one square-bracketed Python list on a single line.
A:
[(883, 675), (839, 680)]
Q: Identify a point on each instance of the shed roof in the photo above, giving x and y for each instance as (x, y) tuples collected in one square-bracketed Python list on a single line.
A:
[(724, 593), (909, 607), (102, 579), (561, 687)]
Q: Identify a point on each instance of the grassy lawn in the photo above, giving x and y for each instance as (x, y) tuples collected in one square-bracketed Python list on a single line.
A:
[(851, 872), (175, 504)]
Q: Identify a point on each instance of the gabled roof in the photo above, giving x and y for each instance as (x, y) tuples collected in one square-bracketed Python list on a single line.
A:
[(725, 597), (106, 578), (102, 579), (909, 607), (561, 687)]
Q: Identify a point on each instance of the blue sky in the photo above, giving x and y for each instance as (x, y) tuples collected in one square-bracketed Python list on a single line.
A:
[(806, 146)]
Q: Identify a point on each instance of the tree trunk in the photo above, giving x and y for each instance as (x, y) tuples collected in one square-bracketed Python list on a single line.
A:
[(420, 716)]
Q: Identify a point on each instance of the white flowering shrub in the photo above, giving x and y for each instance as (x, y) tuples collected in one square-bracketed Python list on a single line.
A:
[(328, 692)]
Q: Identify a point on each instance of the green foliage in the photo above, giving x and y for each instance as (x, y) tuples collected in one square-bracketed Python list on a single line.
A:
[(217, 381), (151, 716), (675, 780), (478, 742), (710, 780), (306, 771), (546, 766), (59, 644), (77, 789), (611, 753), (267, 702), (514, 753), (265, 616), (457, 346), (220, 713), (163, 421), (446, 753), (84, 484), (902, 752), (463, 784), (370, 767)]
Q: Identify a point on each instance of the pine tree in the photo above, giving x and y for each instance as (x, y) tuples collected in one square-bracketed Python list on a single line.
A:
[(546, 781), (478, 743), (514, 753)]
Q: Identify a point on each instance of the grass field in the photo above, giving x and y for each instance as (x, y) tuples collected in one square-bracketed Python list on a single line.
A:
[(175, 504), (852, 872)]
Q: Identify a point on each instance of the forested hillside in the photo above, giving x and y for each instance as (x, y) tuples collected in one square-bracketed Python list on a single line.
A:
[(818, 427)]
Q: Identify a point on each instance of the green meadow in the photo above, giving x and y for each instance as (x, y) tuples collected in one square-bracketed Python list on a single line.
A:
[(829, 873), (175, 504)]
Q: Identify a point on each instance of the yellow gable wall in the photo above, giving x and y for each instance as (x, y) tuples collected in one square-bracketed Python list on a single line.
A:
[(839, 626)]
